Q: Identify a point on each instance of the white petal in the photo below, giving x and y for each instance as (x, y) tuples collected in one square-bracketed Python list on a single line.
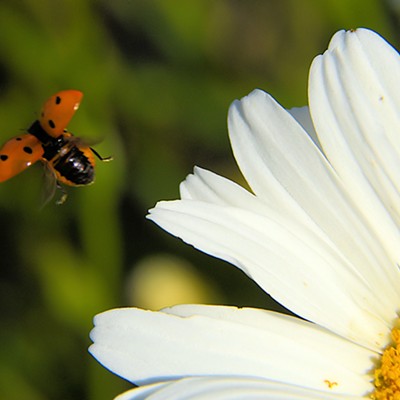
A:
[(209, 187), (265, 136), (144, 347), (354, 102), (227, 388), (289, 262)]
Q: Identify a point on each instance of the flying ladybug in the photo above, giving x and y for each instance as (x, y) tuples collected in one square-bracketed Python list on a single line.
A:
[(67, 159)]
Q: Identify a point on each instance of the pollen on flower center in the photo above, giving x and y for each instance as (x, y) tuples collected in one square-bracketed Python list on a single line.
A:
[(387, 375)]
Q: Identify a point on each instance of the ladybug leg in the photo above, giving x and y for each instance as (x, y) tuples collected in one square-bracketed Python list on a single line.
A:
[(64, 195), (100, 157)]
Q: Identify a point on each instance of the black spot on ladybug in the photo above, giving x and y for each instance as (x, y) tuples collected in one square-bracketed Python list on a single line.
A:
[(3, 157), (52, 124), (58, 99), (28, 150), (18, 139)]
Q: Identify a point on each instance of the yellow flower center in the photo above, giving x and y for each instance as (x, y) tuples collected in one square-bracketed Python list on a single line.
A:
[(387, 375)]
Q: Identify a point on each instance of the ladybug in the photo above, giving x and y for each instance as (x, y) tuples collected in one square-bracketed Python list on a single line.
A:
[(67, 158)]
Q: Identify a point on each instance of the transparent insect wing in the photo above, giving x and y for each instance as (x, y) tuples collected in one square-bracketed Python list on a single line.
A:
[(50, 183), (18, 154), (58, 110)]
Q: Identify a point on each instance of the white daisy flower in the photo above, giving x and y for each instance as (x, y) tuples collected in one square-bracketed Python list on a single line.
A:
[(320, 234)]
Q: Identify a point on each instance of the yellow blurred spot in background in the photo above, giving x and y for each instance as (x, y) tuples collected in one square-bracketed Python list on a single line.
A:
[(163, 280)]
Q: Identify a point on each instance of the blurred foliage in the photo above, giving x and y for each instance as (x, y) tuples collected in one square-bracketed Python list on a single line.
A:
[(158, 77)]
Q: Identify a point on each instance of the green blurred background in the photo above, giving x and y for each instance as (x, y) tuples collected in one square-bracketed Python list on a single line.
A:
[(158, 77)]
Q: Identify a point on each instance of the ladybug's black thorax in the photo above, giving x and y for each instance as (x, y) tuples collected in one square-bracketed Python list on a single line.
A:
[(37, 131)]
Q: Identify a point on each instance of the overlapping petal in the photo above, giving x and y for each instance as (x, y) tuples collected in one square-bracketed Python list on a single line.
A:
[(296, 189), (354, 102), (280, 162), (228, 388), (227, 341), (289, 262)]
